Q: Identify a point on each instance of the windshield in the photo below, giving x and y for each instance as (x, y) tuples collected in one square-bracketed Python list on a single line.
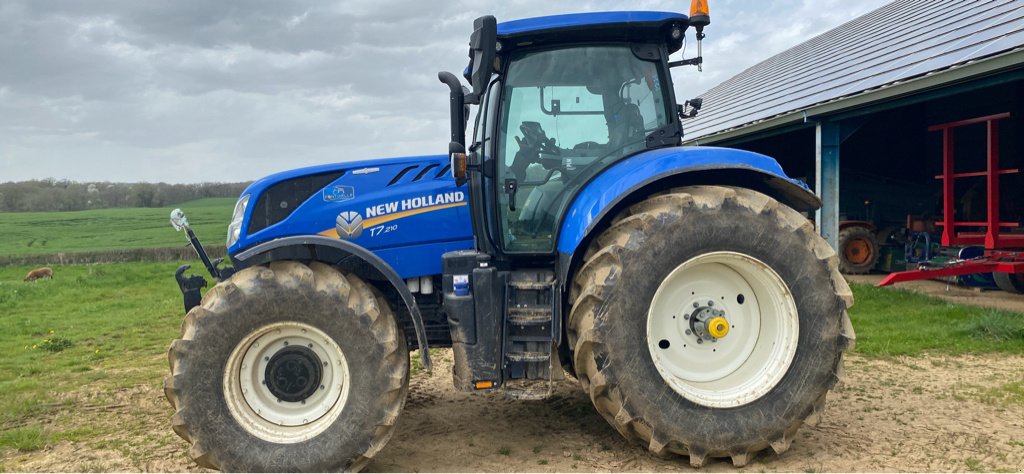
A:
[(567, 114)]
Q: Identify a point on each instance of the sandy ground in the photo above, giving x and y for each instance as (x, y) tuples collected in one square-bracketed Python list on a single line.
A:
[(953, 293), (919, 414)]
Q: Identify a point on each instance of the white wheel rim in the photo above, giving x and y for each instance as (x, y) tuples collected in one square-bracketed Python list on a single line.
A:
[(263, 413), (747, 362)]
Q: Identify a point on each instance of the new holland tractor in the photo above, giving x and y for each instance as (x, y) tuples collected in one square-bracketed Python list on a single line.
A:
[(569, 234)]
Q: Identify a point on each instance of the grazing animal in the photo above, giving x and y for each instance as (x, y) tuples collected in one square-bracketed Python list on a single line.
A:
[(45, 272)]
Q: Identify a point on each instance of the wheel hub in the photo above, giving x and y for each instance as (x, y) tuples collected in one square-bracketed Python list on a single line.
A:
[(294, 373), (722, 329), (707, 324), (858, 251), (286, 382)]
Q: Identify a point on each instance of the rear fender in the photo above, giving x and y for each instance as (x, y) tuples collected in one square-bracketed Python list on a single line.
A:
[(341, 254), (639, 176)]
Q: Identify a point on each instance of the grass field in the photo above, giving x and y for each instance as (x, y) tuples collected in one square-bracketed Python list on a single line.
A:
[(33, 233), (74, 343), (80, 335), (895, 322)]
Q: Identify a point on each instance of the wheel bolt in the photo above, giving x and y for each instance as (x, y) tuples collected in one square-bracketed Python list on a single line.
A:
[(699, 341), (321, 387), (303, 402), (696, 304), (266, 358), (686, 316), (711, 303), (688, 332), (311, 345), (278, 400), (325, 364), (286, 343)]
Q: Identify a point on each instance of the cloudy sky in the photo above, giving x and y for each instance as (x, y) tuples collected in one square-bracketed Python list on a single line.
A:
[(201, 90)]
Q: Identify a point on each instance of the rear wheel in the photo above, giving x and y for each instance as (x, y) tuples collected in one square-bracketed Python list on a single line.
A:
[(1009, 282), (858, 250), (713, 304), (288, 368)]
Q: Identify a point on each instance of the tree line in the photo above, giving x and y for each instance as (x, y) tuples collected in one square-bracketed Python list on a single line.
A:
[(65, 195)]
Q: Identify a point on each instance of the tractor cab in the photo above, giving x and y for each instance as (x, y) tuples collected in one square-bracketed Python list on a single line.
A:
[(560, 99)]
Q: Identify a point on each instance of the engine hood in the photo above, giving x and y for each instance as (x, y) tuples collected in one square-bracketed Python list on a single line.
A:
[(378, 204)]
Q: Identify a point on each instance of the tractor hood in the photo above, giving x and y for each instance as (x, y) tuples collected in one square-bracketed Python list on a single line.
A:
[(378, 204)]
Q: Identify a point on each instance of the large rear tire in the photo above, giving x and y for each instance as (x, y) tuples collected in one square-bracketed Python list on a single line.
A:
[(769, 306), (288, 367), (858, 250)]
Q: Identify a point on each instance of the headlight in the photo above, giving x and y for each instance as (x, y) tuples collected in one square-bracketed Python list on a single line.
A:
[(235, 227)]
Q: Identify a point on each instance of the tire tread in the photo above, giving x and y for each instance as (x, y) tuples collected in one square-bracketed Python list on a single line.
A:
[(364, 299), (603, 262)]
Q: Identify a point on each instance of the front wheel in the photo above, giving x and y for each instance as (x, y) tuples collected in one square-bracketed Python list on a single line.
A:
[(710, 322), (288, 367)]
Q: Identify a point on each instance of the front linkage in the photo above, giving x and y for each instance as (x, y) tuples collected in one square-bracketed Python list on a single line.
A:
[(191, 285)]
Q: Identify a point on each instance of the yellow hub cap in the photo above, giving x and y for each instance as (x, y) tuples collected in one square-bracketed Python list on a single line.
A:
[(718, 327)]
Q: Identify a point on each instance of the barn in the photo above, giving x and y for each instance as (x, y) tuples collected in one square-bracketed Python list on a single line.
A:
[(907, 123)]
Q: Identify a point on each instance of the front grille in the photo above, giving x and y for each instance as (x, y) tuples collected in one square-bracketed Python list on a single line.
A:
[(281, 199)]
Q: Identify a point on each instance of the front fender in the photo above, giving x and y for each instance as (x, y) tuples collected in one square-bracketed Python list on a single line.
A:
[(676, 166), (339, 253)]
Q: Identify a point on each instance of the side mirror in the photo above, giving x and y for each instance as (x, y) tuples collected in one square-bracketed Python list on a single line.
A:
[(694, 105), (482, 46)]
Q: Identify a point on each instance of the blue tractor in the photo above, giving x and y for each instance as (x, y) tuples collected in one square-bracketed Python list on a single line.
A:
[(683, 287)]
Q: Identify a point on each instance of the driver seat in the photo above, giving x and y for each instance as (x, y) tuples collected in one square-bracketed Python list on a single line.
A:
[(625, 126)]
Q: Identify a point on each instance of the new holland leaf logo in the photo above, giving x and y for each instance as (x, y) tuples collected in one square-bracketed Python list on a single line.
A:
[(349, 225)]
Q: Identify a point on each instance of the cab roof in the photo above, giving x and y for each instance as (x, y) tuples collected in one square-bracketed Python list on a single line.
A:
[(636, 26)]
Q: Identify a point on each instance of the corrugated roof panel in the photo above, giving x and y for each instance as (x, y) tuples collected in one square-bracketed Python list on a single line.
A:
[(899, 41)]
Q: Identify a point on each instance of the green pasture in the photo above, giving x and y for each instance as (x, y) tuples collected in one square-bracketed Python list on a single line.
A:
[(34, 233)]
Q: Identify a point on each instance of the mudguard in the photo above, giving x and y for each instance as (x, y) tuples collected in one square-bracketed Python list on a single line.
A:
[(677, 166), (344, 254)]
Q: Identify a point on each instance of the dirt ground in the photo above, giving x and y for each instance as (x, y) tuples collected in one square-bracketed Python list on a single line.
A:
[(953, 293), (914, 414)]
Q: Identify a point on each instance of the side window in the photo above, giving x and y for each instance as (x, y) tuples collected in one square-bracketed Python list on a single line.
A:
[(646, 94), (483, 129), (490, 103)]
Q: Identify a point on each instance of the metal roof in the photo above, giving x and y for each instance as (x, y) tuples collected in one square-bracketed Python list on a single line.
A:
[(899, 43)]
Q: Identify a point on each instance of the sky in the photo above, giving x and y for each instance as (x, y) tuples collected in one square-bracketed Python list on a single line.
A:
[(185, 91)]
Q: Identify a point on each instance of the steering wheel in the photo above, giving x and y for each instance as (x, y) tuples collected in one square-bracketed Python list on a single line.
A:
[(535, 147)]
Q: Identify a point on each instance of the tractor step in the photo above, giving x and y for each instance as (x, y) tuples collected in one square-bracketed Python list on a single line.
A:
[(531, 334), (528, 356), (529, 315), (528, 390), (531, 285)]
